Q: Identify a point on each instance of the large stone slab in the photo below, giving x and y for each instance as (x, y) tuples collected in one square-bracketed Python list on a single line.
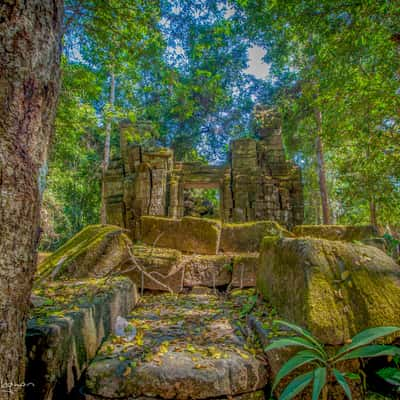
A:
[(67, 328), (347, 233), (186, 347), (209, 271), (246, 237), (189, 234), (333, 288), (94, 251)]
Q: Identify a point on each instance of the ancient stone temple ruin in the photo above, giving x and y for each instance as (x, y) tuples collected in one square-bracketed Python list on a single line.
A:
[(92, 335), (257, 182)]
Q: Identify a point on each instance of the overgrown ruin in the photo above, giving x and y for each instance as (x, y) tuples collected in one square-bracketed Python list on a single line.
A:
[(257, 183), (185, 307)]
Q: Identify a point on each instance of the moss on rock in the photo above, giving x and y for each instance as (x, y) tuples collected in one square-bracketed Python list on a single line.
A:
[(348, 233), (207, 270), (189, 234), (92, 251), (65, 332), (336, 289), (245, 270), (246, 237)]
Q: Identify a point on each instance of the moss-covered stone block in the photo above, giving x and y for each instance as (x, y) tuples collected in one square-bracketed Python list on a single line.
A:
[(244, 270), (159, 231), (65, 332), (348, 233), (189, 234), (333, 288), (93, 251), (199, 235), (246, 237)]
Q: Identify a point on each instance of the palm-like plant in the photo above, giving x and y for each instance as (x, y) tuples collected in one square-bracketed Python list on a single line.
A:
[(322, 365)]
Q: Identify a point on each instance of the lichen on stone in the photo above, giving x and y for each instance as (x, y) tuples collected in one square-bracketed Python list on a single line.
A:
[(93, 248), (333, 288)]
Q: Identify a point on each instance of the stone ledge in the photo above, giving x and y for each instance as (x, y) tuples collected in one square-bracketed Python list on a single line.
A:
[(246, 237), (189, 234), (347, 233), (66, 330)]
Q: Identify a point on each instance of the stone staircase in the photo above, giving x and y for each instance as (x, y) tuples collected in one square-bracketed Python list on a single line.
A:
[(181, 347), (191, 343), (186, 338)]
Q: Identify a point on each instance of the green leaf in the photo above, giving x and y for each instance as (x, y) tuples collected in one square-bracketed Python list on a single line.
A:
[(367, 336), (301, 358), (353, 376), (296, 386), (319, 382), (375, 350), (342, 382), (294, 341), (301, 331), (391, 375)]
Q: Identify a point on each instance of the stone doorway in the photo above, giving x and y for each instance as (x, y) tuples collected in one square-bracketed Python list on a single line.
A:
[(257, 183), (202, 203)]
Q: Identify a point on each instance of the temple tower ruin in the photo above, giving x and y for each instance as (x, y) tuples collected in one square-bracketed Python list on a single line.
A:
[(257, 183)]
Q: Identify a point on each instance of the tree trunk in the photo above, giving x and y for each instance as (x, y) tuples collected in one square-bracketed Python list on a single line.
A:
[(321, 170), (106, 157), (317, 207), (372, 212), (30, 49)]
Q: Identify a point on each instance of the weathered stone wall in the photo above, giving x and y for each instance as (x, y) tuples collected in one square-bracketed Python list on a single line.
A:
[(257, 183), (138, 183), (264, 186)]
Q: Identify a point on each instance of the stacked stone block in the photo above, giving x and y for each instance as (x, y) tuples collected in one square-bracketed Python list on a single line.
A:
[(258, 183)]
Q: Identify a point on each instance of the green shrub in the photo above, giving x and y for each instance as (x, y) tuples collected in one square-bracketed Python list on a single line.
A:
[(322, 365)]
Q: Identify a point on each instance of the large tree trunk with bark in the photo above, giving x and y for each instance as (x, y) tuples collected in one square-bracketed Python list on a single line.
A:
[(107, 145), (30, 47), (321, 171)]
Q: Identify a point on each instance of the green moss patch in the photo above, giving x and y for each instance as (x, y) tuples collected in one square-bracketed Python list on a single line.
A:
[(348, 233), (62, 297), (85, 252), (189, 234), (246, 237), (336, 289)]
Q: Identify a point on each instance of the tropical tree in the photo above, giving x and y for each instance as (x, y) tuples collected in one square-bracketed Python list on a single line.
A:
[(30, 51), (337, 60)]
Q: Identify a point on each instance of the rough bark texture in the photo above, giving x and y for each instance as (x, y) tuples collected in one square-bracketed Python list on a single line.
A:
[(30, 42), (106, 157), (321, 171)]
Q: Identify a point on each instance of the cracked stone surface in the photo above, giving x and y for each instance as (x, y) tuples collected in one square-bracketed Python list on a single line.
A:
[(186, 347)]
